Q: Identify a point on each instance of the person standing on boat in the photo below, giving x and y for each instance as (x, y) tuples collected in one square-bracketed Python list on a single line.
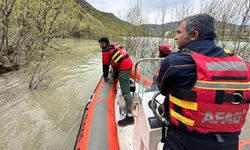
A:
[(164, 50), (207, 90), (118, 57)]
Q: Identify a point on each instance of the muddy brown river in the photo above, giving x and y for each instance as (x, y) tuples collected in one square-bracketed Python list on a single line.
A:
[(49, 119)]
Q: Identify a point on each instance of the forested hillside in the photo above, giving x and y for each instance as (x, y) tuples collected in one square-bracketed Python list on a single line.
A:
[(27, 27), (106, 21)]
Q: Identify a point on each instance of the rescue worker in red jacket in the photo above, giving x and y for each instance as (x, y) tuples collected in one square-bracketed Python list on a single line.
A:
[(118, 57), (207, 91)]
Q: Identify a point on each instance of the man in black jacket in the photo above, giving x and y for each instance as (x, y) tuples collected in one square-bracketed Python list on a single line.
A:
[(195, 34)]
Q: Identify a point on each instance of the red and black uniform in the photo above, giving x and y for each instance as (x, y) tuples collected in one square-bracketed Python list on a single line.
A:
[(118, 57), (106, 60), (207, 95)]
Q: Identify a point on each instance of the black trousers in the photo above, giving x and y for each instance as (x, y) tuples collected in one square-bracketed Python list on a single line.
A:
[(179, 140)]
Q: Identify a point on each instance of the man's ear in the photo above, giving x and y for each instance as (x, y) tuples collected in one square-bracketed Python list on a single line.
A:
[(195, 35)]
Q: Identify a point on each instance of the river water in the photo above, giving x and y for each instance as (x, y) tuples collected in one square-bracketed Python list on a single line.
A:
[(49, 119)]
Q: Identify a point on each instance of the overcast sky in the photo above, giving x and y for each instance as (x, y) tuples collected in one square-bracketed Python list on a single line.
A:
[(150, 8)]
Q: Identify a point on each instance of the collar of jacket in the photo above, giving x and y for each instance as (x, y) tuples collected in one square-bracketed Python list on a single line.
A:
[(107, 48), (205, 47)]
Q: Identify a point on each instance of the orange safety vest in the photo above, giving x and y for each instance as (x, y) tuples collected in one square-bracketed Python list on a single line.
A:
[(118, 54), (218, 102)]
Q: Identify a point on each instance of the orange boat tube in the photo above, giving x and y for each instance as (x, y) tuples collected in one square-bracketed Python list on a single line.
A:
[(244, 144), (98, 128)]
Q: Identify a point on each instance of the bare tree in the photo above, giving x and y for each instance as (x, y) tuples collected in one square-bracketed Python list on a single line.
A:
[(183, 9), (41, 75), (232, 24), (242, 32), (6, 8), (135, 17), (163, 30)]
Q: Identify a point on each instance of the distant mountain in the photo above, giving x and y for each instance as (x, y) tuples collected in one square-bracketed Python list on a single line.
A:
[(108, 21), (156, 30), (102, 21), (171, 27)]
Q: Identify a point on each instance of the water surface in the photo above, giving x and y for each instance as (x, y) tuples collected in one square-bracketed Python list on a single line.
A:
[(49, 119)]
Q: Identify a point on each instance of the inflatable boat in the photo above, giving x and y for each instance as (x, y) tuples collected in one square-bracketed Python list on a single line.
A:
[(98, 129)]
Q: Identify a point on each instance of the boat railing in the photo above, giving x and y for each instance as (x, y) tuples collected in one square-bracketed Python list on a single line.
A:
[(144, 73)]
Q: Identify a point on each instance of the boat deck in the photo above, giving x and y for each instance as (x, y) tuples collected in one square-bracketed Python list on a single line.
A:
[(128, 139)]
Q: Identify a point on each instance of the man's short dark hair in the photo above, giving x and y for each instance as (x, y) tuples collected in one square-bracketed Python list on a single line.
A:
[(202, 23), (104, 40)]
